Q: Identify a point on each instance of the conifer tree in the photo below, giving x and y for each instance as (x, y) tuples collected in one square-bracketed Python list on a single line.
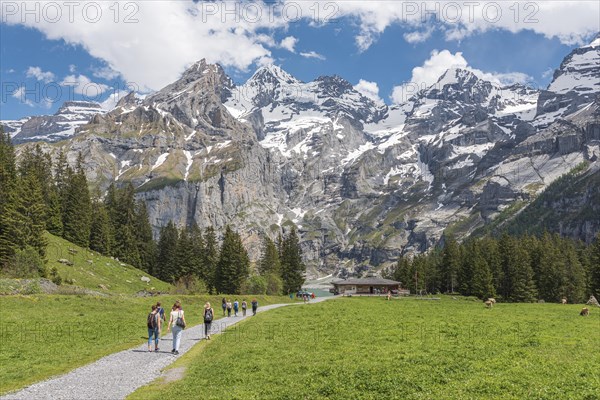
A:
[(269, 262), (482, 281), (450, 264), (185, 255), (10, 219), (210, 259), (32, 208), (197, 255), (101, 236), (292, 266), (77, 206), (166, 261), (233, 266), (146, 245)]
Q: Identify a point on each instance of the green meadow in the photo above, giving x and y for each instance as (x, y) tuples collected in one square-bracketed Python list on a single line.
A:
[(370, 348), (46, 335)]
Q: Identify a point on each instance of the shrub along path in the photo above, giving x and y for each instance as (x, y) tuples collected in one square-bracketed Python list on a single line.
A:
[(120, 374)]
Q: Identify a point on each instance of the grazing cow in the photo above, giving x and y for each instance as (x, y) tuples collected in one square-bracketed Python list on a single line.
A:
[(492, 300), (489, 304), (584, 312), (564, 300)]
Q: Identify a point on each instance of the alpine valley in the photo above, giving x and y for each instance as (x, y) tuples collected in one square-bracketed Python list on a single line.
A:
[(364, 182)]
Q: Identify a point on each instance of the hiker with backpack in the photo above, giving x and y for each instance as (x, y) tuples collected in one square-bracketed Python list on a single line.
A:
[(229, 308), (236, 307), (224, 305), (244, 307), (254, 306), (153, 324), (161, 316), (208, 317), (177, 323)]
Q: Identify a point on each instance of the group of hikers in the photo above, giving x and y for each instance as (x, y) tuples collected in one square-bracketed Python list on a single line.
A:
[(156, 319), (227, 306)]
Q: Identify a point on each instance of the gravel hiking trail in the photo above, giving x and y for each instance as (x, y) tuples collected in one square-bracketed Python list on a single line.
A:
[(120, 374)]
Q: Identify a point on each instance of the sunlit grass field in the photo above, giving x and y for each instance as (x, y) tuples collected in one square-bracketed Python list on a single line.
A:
[(370, 348), (46, 335)]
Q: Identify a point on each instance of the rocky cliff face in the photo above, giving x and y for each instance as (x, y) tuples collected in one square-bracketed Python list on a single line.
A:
[(363, 182)]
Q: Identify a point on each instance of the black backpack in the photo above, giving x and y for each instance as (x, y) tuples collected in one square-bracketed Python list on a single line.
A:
[(151, 322), (208, 315)]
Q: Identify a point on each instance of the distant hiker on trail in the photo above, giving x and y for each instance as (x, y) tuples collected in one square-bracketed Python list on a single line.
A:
[(244, 307), (208, 317), (177, 323), (389, 295), (312, 295), (236, 307), (229, 308), (291, 296), (254, 306), (224, 305), (305, 298), (153, 322)]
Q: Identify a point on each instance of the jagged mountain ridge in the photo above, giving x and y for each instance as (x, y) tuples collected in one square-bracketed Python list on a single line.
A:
[(60, 126), (364, 182)]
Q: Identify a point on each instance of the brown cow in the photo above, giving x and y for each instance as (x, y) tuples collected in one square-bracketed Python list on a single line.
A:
[(584, 312)]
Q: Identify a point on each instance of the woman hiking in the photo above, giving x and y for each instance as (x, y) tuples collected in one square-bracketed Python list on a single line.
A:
[(224, 305), (229, 308), (153, 323), (177, 323), (244, 307), (208, 317)]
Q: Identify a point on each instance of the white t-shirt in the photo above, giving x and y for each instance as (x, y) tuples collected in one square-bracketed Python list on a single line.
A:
[(175, 315)]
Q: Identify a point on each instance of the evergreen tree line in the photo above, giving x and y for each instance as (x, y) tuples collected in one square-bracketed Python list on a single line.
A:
[(513, 269), (38, 195), (193, 258)]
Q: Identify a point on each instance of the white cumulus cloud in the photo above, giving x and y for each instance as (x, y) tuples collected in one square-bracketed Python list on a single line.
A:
[(289, 43), (439, 62), (83, 85), (42, 76), (368, 89)]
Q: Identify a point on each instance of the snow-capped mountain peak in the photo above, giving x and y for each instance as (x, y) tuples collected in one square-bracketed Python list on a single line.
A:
[(580, 71), (273, 75)]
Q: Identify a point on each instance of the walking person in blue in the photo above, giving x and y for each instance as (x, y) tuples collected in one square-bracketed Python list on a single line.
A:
[(254, 306), (177, 323), (236, 307), (161, 316), (224, 305), (153, 323)]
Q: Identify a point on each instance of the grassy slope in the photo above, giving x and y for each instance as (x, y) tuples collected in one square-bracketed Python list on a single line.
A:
[(45, 335), (409, 349), (102, 271)]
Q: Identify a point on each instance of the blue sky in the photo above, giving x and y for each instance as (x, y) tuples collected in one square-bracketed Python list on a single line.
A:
[(46, 58)]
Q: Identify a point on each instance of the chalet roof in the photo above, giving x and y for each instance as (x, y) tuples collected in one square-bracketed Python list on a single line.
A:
[(365, 281)]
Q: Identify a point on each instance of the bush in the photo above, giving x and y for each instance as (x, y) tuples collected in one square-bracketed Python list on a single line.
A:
[(56, 278), (274, 285), (26, 263), (190, 285), (255, 285)]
